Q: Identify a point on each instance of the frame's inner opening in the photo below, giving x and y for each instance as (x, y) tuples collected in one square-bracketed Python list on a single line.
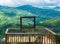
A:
[(27, 22)]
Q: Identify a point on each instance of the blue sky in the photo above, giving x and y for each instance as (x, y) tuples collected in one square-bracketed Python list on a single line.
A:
[(38, 3)]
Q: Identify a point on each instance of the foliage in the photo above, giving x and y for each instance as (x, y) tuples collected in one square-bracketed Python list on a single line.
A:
[(53, 23)]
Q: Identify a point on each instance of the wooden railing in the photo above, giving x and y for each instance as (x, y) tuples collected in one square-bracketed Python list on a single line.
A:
[(48, 37)]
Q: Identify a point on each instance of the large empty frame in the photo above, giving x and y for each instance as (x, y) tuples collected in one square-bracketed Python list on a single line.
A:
[(34, 25)]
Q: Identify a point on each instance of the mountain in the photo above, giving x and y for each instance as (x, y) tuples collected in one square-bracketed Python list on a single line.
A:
[(53, 23), (47, 13), (27, 10), (40, 13), (2, 7), (10, 16), (57, 8)]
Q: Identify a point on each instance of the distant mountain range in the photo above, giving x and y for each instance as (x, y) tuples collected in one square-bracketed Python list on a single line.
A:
[(10, 16), (57, 8), (48, 13), (39, 12), (29, 10)]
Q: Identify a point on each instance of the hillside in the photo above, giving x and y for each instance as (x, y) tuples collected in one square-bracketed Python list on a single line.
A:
[(47, 13), (10, 17), (54, 24), (41, 13)]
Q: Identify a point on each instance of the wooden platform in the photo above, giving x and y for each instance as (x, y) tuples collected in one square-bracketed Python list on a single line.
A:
[(47, 38)]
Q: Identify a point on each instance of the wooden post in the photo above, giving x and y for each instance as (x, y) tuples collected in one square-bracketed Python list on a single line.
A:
[(20, 23), (34, 23), (6, 38)]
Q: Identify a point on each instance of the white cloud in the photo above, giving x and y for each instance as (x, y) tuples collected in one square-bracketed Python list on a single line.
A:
[(6, 2), (47, 1), (10, 2), (31, 2), (51, 1)]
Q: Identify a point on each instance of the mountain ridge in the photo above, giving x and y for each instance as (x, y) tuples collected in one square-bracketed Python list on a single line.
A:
[(39, 12)]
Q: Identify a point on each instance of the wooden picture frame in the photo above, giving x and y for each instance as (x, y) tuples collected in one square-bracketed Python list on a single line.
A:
[(34, 25)]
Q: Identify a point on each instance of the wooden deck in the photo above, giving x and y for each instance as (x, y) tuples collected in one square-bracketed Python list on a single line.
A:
[(48, 38)]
